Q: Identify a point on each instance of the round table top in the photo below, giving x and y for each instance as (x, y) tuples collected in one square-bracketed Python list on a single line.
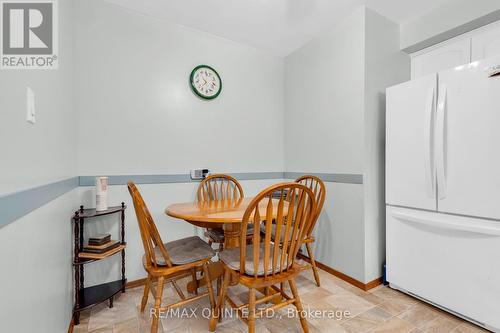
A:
[(216, 211)]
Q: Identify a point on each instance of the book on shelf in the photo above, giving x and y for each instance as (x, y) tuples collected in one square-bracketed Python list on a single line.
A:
[(99, 239), (98, 249)]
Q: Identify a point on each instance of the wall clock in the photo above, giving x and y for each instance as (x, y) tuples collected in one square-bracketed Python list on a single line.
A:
[(205, 82)]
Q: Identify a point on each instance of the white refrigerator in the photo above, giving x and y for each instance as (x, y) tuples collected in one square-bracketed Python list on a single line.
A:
[(443, 190)]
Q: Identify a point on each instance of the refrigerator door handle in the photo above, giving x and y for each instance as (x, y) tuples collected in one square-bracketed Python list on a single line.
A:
[(441, 142), (430, 164), (448, 225)]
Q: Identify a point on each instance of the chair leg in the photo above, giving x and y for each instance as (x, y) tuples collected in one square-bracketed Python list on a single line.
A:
[(221, 246), (209, 286), (251, 310), (178, 290), (313, 263), (219, 285), (298, 305), (195, 281), (210, 242), (217, 314), (145, 294), (267, 292), (158, 296)]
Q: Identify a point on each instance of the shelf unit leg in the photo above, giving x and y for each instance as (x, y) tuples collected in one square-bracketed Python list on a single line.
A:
[(111, 302), (82, 277), (76, 318), (123, 242), (76, 313), (123, 270)]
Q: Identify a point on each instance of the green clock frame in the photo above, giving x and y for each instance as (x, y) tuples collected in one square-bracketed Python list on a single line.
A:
[(191, 77)]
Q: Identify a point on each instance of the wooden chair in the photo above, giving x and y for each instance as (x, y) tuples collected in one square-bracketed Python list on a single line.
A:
[(316, 185), (219, 187), (267, 264), (318, 188), (168, 262)]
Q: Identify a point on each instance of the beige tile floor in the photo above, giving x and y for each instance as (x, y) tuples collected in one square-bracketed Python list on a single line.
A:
[(351, 310)]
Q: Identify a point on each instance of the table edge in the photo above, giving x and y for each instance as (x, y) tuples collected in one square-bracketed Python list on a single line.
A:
[(189, 218)]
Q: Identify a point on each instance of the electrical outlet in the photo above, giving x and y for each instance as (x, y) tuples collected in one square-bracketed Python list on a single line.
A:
[(198, 174), (30, 106)]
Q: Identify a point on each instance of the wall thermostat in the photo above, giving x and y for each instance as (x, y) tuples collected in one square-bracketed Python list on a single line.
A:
[(199, 174)]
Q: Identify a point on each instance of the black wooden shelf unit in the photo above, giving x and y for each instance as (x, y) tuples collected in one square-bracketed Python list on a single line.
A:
[(86, 298)]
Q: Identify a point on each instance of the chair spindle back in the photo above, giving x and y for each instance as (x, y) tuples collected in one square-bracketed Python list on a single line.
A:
[(149, 233), (279, 255), (219, 187), (316, 185)]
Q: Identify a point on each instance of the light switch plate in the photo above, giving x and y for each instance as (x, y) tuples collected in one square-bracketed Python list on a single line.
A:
[(30, 106)]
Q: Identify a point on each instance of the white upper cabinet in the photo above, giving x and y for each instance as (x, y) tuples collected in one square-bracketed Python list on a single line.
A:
[(476, 45), (486, 44), (448, 55)]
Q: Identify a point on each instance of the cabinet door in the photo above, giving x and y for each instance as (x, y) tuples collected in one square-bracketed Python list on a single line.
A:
[(410, 167), (439, 58), (486, 44)]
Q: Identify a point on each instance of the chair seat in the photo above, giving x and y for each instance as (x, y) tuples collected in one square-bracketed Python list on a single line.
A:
[(231, 258), (184, 251), (217, 235)]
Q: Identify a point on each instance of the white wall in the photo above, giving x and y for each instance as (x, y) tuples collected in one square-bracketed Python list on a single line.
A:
[(133, 97), (324, 103), (36, 283), (37, 154), (385, 66), (324, 133), (335, 121), (35, 250), (339, 230)]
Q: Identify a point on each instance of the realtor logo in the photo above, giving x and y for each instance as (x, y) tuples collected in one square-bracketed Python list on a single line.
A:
[(29, 34)]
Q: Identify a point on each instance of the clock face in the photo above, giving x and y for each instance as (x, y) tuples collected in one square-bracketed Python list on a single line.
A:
[(205, 82)]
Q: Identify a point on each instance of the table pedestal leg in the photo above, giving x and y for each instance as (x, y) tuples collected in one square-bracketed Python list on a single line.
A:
[(215, 270), (231, 235), (231, 241)]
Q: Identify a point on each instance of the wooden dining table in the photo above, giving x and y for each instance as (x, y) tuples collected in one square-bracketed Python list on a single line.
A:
[(227, 214)]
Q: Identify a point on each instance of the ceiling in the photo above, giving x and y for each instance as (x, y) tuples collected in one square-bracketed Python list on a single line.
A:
[(278, 26)]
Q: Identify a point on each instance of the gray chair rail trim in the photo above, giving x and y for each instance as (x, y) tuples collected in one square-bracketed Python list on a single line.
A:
[(174, 178), (138, 179), (15, 205), (346, 178), (185, 178)]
